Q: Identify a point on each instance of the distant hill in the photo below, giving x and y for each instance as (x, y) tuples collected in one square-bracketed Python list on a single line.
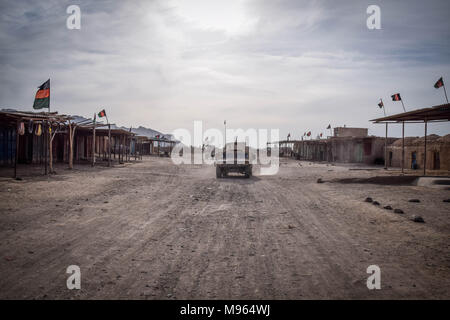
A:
[(143, 131)]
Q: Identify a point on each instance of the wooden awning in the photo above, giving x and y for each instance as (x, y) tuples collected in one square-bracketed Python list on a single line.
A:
[(12, 116)]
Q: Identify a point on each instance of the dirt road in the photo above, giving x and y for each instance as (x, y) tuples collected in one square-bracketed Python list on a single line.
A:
[(153, 230)]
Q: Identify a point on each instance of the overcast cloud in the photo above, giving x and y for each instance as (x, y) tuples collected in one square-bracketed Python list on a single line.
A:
[(292, 65)]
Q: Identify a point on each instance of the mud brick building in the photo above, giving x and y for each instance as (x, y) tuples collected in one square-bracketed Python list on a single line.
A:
[(438, 153), (347, 145)]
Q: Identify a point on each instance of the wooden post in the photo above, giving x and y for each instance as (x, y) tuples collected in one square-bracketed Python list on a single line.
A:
[(115, 145), (72, 128), (128, 149), (93, 141), (70, 146), (109, 145), (46, 146), (16, 158), (50, 149), (121, 149), (385, 148), (425, 151), (52, 136), (403, 146)]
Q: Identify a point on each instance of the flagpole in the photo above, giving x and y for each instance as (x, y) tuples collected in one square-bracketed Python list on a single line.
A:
[(386, 137), (445, 91), (403, 105)]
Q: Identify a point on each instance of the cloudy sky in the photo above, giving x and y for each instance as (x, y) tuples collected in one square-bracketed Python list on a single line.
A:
[(288, 64)]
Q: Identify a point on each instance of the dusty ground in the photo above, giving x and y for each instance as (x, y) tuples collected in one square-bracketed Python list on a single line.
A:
[(153, 230)]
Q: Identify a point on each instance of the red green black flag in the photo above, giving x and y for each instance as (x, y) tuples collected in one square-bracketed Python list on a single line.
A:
[(439, 83), (396, 97), (102, 114), (42, 99)]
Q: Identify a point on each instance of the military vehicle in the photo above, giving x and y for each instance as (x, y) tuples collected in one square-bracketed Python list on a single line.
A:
[(235, 160)]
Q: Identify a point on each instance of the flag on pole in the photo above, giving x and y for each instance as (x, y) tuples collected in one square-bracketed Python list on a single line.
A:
[(102, 114), (321, 134), (309, 133), (439, 83), (381, 105), (42, 98), (396, 97), (329, 126), (289, 135)]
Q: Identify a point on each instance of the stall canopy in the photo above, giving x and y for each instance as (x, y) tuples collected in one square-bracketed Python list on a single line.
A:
[(438, 113)]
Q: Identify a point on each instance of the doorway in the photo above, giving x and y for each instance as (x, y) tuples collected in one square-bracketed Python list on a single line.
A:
[(413, 160), (436, 161)]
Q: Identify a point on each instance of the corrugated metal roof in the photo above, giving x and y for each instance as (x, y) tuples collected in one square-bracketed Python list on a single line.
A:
[(436, 113)]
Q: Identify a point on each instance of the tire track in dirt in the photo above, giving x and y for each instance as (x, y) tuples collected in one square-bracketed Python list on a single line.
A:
[(178, 232)]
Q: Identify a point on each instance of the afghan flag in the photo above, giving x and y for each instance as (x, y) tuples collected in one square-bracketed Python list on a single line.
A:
[(439, 83), (381, 105), (102, 114), (396, 97), (42, 99), (309, 133)]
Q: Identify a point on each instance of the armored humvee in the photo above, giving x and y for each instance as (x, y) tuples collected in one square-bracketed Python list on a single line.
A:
[(237, 160)]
